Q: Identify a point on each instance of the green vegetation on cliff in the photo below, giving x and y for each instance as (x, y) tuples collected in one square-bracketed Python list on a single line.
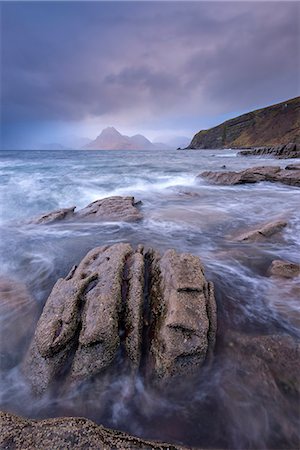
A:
[(271, 126)]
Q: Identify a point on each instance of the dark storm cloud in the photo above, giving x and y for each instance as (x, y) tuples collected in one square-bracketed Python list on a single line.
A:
[(162, 62)]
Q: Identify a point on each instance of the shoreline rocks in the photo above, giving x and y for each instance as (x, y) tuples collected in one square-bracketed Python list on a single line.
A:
[(287, 151), (255, 175), (111, 209), (107, 305), (68, 433)]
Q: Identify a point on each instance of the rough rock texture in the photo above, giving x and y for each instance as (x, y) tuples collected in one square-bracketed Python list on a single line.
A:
[(271, 126), (110, 208), (268, 360), (255, 175), (18, 315), (68, 433), (106, 303), (288, 151), (284, 269), (186, 319), (262, 232)]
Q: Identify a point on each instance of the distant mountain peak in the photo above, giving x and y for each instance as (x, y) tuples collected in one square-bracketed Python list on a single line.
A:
[(111, 139)]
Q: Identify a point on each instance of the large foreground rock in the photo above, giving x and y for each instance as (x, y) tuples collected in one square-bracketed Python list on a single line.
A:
[(109, 302), (254, 175), (110, 208), (68, 433), (18, 315)]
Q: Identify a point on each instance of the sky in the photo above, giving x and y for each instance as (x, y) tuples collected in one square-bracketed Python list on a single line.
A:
[(70, 69)]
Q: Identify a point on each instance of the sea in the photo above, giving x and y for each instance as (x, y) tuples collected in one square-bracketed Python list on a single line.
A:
[(181, 211)]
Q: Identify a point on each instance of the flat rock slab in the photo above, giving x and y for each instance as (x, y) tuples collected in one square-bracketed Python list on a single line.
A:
[(262, 232), (68, 433), (255, 175), (106, 209), (108, 302), (284, 269), (291, 150)]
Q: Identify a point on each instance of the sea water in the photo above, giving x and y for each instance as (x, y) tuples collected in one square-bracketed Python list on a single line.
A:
[(181, 211)]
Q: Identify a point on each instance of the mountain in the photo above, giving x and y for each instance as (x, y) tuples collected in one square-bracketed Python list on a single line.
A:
[(271, 126), (112, 139)]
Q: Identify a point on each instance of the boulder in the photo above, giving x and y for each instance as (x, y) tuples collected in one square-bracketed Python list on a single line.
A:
[(110, 302), (68, 433), (18, 315), (109, 209), (262, 232), (254, 175), (284, 269), (185, 310)]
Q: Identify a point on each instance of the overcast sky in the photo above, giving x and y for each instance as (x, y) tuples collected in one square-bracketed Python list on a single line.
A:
[(157, 68)]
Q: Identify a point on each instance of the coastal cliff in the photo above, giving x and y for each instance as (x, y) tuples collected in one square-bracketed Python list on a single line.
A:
[(271, 126)]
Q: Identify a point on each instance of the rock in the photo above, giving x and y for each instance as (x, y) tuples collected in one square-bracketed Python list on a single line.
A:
[(277, 355), (284, 269), (107, 303), (54, 216), (287, 151), (262, 232), (18, 315), (254, 175), (293, 167), (110, 208), (68, 433), (185, 315)]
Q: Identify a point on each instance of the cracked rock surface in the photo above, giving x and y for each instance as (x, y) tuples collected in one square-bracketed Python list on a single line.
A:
[(121, 301)]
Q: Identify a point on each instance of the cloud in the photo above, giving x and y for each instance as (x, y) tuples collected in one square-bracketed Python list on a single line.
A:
[(145, 63)]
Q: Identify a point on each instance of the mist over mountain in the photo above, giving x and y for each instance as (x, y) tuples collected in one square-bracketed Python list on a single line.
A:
[(112, 139)]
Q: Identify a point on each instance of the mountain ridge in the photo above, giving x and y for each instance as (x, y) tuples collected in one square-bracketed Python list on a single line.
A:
[(111, 139), (273, 125)]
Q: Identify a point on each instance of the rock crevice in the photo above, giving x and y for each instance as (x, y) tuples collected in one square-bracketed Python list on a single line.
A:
[(151, 307)]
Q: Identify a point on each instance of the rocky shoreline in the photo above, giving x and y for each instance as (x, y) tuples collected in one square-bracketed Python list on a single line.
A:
[(154, 314), (285, 151)]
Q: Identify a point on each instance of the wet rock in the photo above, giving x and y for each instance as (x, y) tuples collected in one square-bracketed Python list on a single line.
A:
[(293, 167), (103, 306), (259, 384), (66, 433), (185, 315), (284, 269), (278, 355), (18, 315), (254, 175), (110, 208), (262, 232), (82, 312), (288, 151)]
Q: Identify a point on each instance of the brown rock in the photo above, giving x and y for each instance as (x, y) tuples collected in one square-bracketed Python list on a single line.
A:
[(54, 216), (18, 315), (284, 269), (68, 433), (185, 316), (293, 167), (106, 301), (87, 302), (262, 232), (254, 175), (110, 208), (277, 356)]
